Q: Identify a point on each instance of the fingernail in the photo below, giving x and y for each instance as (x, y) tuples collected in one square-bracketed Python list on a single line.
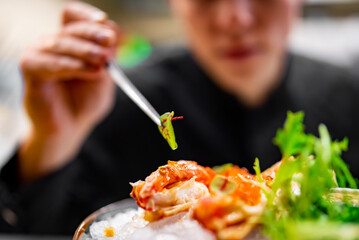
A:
[(97, 55), (112, 54), (49, 44), (106, 37), (99, 16)]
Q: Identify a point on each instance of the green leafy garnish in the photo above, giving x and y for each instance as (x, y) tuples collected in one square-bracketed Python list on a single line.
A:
[(167, 129), (314, 230), (257, 169), (291, 139), (298, 206), (222, 185)]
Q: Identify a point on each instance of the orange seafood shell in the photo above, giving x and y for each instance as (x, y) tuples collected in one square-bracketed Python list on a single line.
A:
[(166, 175)]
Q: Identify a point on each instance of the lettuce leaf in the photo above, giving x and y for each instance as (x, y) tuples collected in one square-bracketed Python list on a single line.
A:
[(311, 166)]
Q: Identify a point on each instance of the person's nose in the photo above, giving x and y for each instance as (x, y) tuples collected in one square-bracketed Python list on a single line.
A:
[(234, 14)]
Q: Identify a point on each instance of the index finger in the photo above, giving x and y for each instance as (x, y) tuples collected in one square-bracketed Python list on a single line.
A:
[(78, 11)]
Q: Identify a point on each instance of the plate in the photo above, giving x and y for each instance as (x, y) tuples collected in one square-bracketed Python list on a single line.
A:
[(350, 196), (107, 212)]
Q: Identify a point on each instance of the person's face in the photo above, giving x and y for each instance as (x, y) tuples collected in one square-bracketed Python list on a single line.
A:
[(240, 43)]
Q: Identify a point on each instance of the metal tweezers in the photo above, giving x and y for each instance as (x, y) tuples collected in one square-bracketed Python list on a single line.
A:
[(132, 92)]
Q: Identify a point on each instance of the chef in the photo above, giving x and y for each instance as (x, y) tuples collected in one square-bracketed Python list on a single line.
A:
[(233, 83)]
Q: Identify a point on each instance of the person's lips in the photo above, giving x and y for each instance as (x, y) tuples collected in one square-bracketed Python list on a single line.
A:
[(241, 53)]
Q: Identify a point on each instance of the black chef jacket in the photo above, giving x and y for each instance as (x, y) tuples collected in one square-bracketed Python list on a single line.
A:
[(216, 129)]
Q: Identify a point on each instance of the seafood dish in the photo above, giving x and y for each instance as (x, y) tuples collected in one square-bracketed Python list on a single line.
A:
[(228, 202), (308, 194)]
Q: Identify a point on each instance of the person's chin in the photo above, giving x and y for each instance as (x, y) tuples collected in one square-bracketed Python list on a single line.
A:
[(246, 69), (239, 68)]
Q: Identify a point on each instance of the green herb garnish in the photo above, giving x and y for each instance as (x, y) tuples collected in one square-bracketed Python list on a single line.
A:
[(167, 129), (298, 206), (257, 169)]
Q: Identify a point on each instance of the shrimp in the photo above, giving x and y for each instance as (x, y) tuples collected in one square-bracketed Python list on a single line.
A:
[(247, 188), (228, 216), (234, 171), (233, 215), (172, 188)]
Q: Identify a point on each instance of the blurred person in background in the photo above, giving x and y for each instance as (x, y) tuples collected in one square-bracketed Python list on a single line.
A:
[(234, 85)]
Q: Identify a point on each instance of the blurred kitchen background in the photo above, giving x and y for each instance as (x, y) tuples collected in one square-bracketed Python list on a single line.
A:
[(328, 30)]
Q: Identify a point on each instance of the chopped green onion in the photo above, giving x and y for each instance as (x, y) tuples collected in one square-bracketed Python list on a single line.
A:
[(222, 185)]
